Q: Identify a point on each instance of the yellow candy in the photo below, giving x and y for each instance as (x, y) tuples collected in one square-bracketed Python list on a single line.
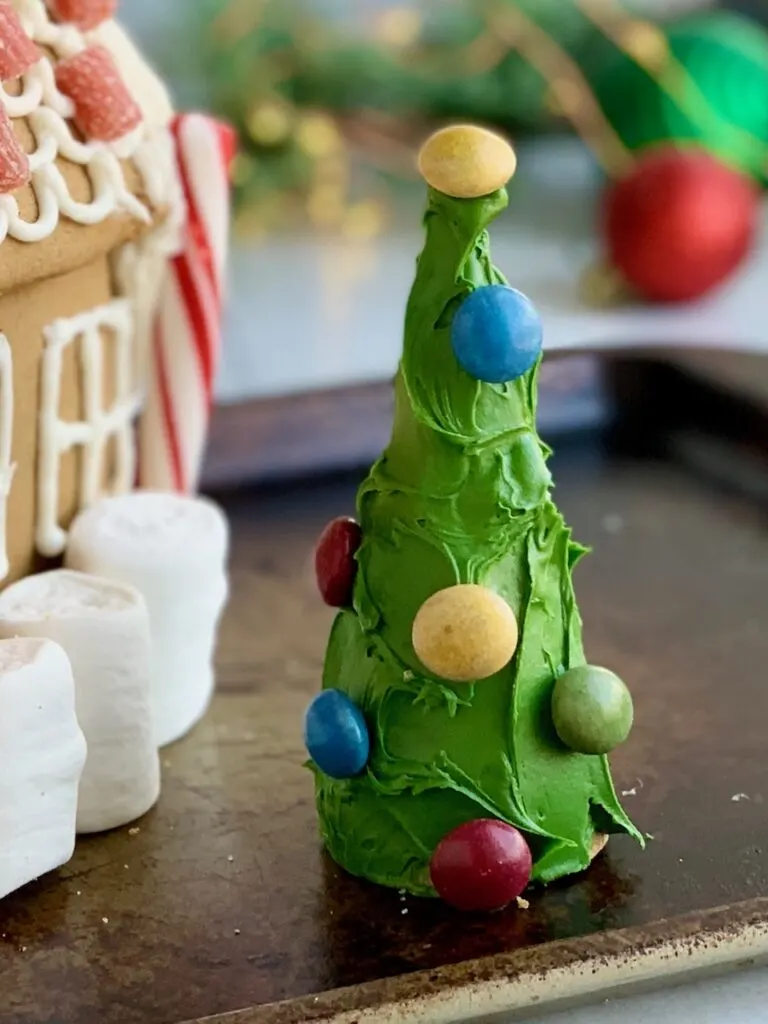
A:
[(465, 161), (464, 633)]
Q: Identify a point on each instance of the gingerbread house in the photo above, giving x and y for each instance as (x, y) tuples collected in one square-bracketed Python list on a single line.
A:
[(90, 214)]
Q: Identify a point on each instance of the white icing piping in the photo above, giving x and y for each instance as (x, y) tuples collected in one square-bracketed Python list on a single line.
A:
[(100, 425), (155, 160), (49, 112), (29, 98), (7, 467), (140, 268), (66, 40)]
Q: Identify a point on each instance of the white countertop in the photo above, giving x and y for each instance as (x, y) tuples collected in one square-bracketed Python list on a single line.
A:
[(310, 312), (737, 998)]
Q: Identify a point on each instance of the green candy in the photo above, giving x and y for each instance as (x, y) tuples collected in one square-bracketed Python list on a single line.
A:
[(592, 710)]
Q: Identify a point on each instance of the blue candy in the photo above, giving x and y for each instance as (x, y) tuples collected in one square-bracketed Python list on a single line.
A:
[(336, 735), (496, 334)]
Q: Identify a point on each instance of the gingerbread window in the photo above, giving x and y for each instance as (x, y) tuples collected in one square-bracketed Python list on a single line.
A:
[(109, 402)]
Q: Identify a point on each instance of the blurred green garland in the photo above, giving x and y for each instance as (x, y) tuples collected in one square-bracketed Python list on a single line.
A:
[(328, 115)]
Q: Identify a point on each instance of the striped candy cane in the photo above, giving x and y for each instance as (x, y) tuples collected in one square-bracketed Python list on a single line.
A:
[(187, 340)]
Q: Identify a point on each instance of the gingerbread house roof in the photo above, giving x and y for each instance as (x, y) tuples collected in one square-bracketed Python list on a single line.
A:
[(86, 157)]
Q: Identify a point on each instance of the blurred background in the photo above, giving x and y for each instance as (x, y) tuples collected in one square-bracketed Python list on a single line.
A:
[(331, 99)]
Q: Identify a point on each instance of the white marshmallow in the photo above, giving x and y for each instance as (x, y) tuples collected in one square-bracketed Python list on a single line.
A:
[(104, 628), (173, 548), (42, 753)]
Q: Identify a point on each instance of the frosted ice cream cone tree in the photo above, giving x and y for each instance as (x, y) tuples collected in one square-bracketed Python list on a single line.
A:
[(459, 742)]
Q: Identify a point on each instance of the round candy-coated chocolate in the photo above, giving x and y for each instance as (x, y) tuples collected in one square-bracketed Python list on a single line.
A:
[(336, 735), (481, 865), (592, 710), (465, 161), (465, 633), (496, 334), (335, 564)]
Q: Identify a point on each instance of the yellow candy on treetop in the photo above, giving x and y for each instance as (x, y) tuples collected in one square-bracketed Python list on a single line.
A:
[(464, 633), (465, 161)]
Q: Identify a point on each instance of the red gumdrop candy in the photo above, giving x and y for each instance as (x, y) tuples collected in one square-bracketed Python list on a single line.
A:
[(481, 865), (14, 163), (104, 109), (18, 53), (680, 223), (86, 14), (335, 563)]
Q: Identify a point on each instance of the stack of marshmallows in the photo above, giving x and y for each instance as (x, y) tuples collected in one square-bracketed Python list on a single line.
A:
[(101, 663)]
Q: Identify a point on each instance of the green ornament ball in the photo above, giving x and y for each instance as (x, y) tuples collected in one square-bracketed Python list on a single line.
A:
[(592, 710), (726, 58)]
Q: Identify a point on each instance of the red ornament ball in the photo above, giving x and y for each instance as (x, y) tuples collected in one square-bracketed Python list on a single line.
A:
[(335, 564), (680, 223), (481, 865)]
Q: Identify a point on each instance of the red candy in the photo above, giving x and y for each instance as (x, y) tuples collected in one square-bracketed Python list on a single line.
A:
[(481, 865), (14, 164), (17, 53), (86, 14), (680, 223), (335, 563), (104, 109)]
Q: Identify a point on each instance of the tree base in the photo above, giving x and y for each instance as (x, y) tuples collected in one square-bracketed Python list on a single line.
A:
[(599, 843)]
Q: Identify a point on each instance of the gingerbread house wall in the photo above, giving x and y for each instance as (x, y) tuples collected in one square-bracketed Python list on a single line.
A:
[(77, 317)]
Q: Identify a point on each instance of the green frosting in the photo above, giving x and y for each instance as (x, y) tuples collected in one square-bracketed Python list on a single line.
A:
[(461, 495)]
